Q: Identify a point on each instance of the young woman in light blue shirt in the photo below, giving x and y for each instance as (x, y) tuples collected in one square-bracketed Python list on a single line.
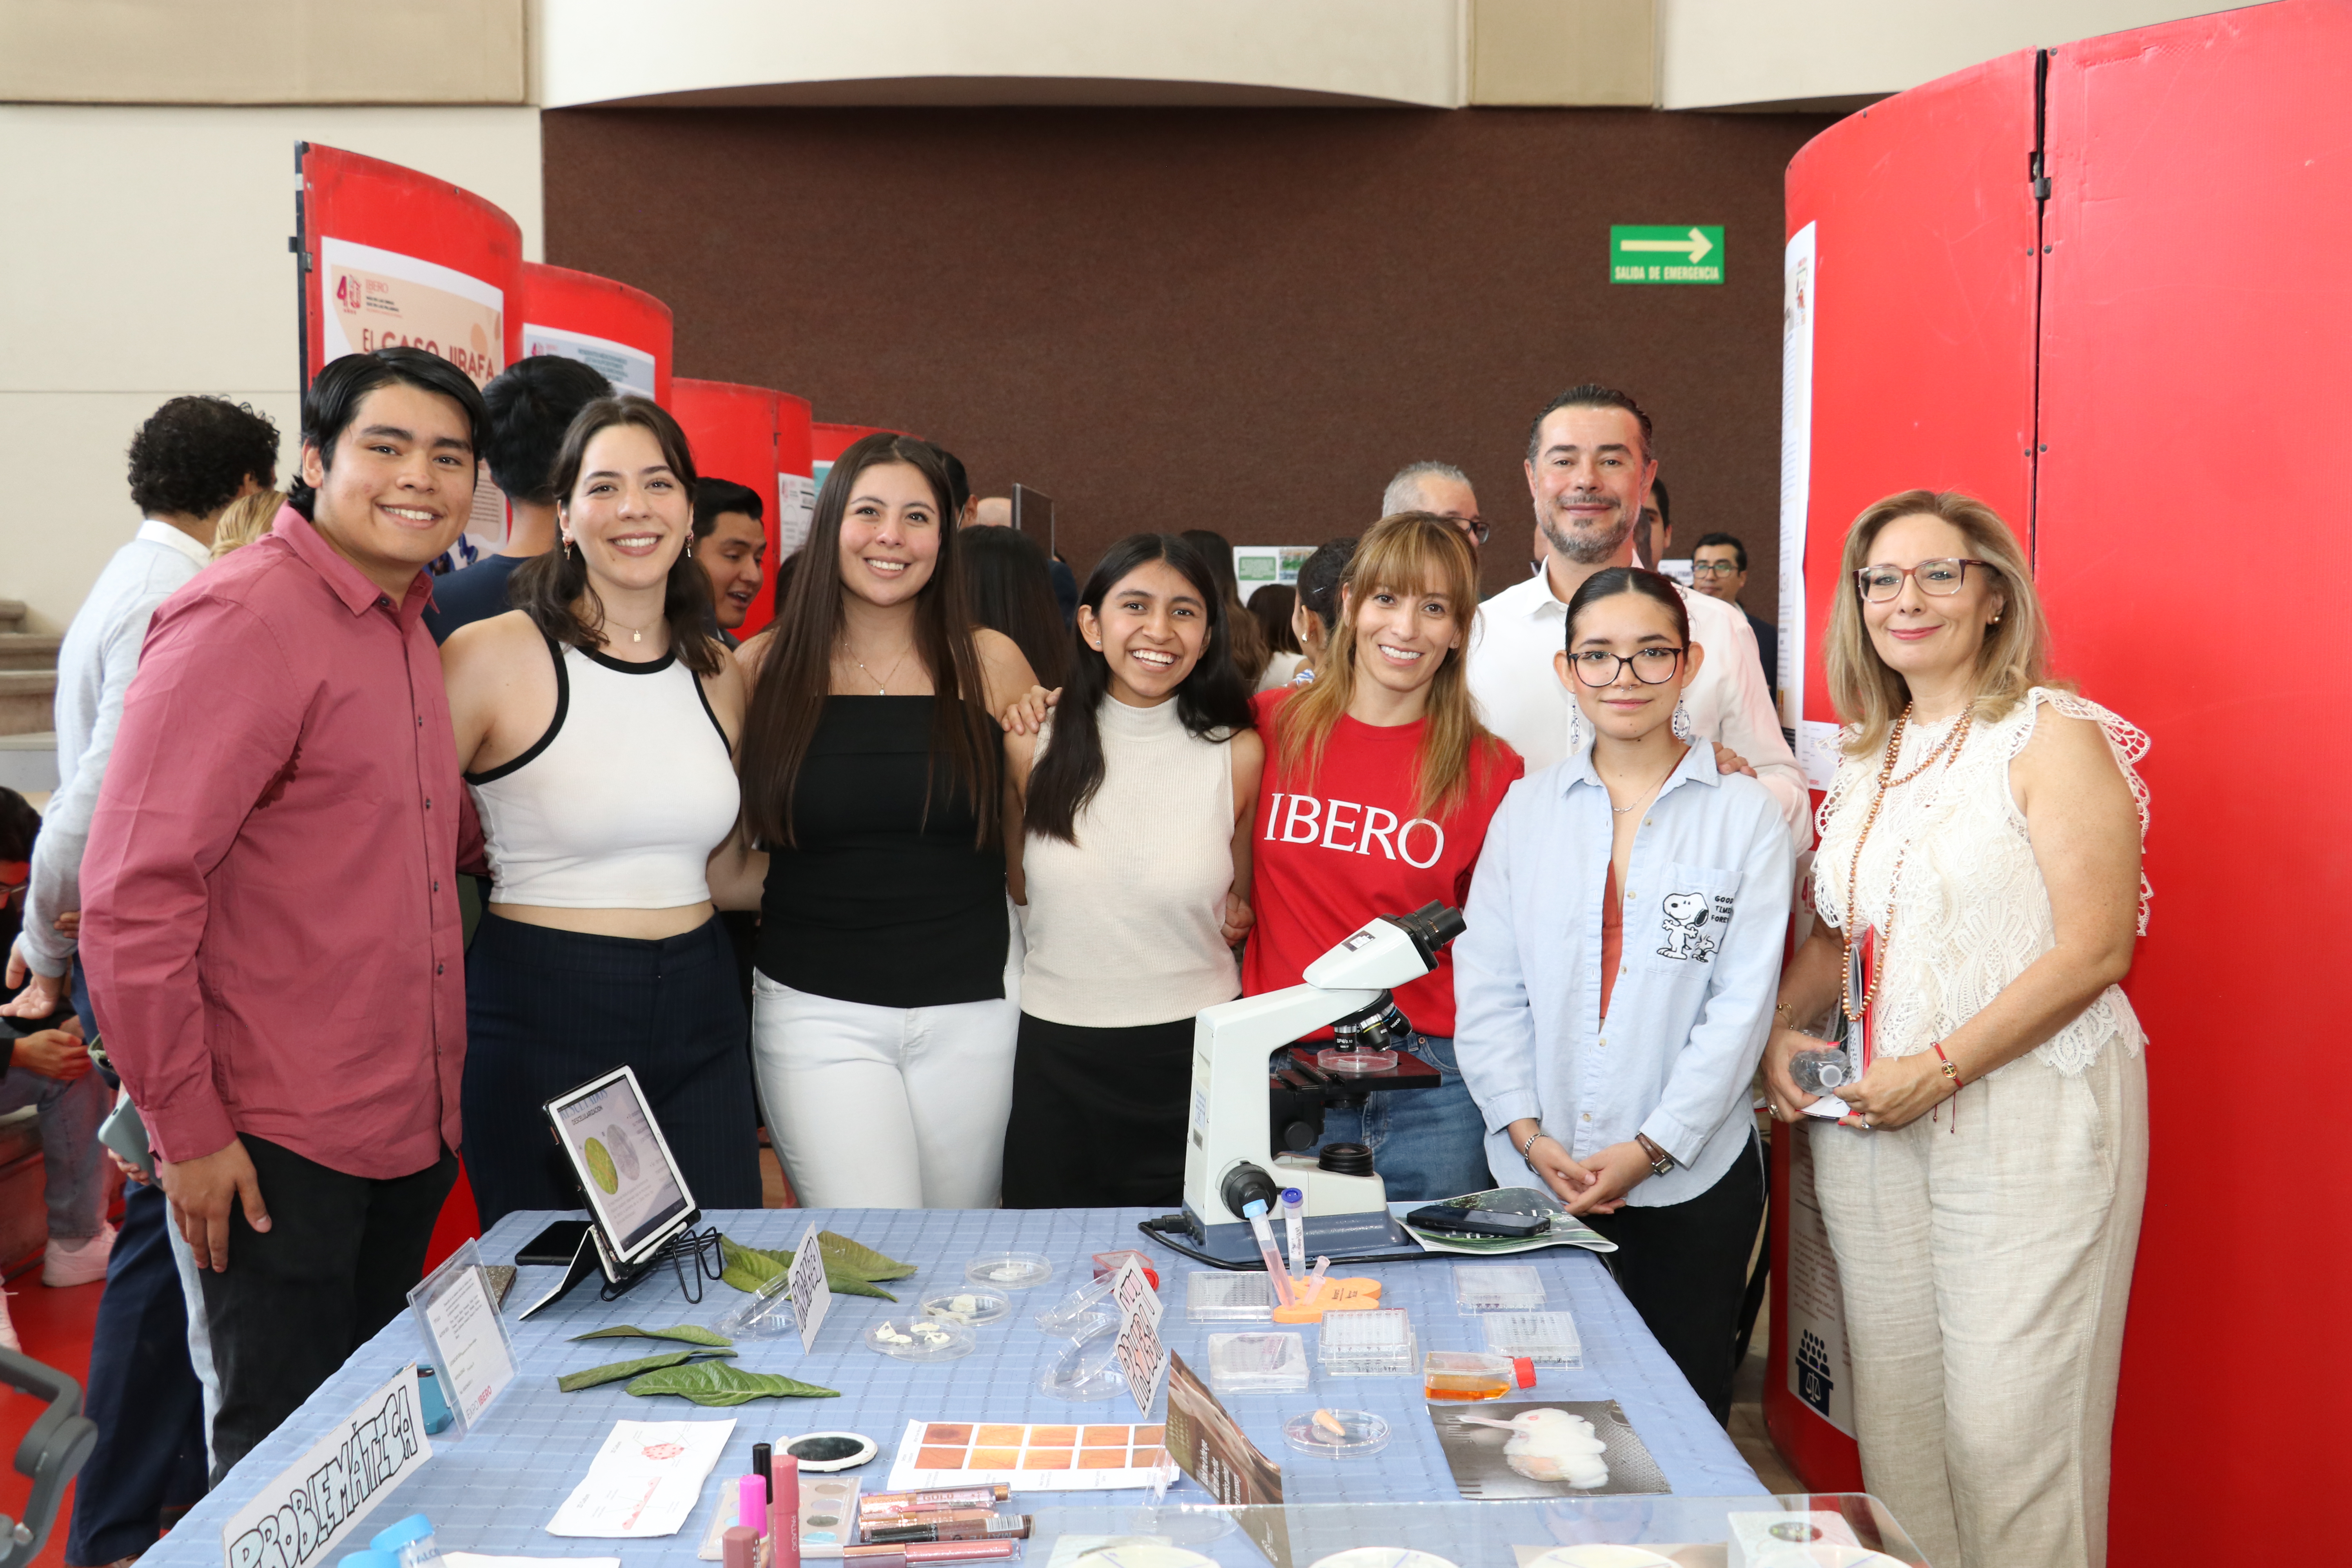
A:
[(1614, 988)]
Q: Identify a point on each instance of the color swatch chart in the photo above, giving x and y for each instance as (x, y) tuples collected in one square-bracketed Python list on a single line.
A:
[(1041, 1456)]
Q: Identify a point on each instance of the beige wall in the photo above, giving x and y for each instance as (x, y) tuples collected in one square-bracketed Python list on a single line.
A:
[(261, 51), (148, 258), (1730, 53)]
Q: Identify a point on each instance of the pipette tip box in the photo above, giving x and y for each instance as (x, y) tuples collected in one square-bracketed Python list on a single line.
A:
[(1497, 1288), (1214, 1296), (1369, 1344), (1547, 1339)]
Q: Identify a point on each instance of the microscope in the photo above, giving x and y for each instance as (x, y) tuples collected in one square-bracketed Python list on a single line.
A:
[(1258, 1098)]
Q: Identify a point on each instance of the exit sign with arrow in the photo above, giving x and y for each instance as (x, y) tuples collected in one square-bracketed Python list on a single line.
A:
[(1666, 253)]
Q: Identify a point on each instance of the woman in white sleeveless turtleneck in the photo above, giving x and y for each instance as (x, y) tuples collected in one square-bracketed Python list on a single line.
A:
[(596, 722), (1982, 1195), (1134, 860)]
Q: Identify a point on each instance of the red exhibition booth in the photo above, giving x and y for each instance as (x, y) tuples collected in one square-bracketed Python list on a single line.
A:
[(621, 332), (2102, 287), (732, 429)]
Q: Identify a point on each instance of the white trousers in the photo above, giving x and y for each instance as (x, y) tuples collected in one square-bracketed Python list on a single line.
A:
[(887, 1107), (1986, 1268)]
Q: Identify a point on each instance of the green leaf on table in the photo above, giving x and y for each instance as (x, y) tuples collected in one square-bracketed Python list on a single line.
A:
[(613, 1372), (689, 1333), (850, 1269), (719, 1382)]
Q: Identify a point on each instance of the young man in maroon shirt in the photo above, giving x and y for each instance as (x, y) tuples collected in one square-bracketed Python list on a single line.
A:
[(270, 908)]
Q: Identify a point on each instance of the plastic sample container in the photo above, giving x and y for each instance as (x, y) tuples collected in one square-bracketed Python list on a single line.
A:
[(1497, 1286), (1369, 1344), (1215, 1296), (1547, 1339), (920, 1339), (1257, 1364), (1010, 1270)]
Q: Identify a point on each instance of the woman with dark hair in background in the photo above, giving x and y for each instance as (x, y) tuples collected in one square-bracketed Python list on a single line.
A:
[(1249, 644), (1135, 861), (600, 945), (1010, 584), (1318, 614), (1274, 606), (887, 991)]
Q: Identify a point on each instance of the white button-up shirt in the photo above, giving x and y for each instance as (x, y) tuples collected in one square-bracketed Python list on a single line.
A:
[(1521, 696), (96, 660), (1706, 913)]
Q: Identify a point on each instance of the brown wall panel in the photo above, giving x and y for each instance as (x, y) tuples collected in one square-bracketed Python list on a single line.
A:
[(1238, 319)]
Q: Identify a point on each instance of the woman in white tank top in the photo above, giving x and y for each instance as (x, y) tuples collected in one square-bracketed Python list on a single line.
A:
[(1135, 862), (597, 724)]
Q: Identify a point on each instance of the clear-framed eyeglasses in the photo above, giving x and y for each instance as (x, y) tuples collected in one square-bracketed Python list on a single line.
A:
[(1941, 577), (1651, 666)]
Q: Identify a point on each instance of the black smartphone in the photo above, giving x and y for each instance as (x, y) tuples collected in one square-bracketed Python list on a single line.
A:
[(1477, 1222), (558, 1244)]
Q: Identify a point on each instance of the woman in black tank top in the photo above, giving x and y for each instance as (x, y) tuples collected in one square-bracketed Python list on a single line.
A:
[(884, 1001)]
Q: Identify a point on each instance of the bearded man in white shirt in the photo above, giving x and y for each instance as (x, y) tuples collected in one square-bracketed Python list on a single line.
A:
[(1588, 464)]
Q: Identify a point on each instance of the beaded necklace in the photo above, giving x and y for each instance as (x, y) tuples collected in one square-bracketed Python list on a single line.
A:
[(1948, 748)]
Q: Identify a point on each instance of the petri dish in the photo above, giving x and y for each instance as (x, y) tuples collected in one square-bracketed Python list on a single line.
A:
[(1083, 1309), (1086, 1369), (1334, 1060), (1010, 1270), (1601, 1554), (971, 1307), (920, 1339), (824, 1451), (1257, 1363), (768, 1315), (1382, 1557), (1143, 1554), (1336, 1434)]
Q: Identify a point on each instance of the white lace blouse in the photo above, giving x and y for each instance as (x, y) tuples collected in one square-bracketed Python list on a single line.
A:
[(1972, 910)]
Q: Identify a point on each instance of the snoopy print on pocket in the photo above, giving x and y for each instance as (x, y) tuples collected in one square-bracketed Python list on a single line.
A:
[(1693, 915)]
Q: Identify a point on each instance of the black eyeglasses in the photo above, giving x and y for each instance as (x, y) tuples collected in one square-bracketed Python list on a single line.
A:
[(1651, 666), (1475, 526), (1716, 568), (1941, 577)]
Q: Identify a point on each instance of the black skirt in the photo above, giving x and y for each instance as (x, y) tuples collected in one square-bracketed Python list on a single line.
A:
[(1097, 1116), (547, 1009)]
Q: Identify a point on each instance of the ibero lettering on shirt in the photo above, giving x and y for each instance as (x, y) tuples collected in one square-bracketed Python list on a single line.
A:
[(1352, 828)]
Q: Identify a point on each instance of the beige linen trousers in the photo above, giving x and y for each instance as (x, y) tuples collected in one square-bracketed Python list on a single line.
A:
[(1985, 1254)]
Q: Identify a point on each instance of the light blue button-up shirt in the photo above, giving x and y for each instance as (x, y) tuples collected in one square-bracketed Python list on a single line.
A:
[(1707, 911)]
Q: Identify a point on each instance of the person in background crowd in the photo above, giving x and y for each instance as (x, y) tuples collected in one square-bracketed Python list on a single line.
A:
[(1249, 644), (996, 511), (1719, 570), (1983, 1194), (247, 520), (600, 946), (1318, 614), (1655, 535), (960, 494), (731, 547), (1009, 583), (1380, 781), (992, 511), (1275, 605), (532, 402), (1442, 490), (888, 994), (301, 1097), (1613, 986), (1589, 462), (1135, 861)]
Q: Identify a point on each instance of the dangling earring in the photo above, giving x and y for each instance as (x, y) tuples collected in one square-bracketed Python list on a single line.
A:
[(1575, 728), (567, 550), (1683, 726)]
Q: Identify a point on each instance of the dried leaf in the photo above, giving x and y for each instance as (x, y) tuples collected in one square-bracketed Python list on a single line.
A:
[(720, 1382), (613, 1372), (689, 1333)]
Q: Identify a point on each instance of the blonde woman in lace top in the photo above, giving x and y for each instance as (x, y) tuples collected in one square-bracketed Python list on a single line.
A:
[(1982, 1195)]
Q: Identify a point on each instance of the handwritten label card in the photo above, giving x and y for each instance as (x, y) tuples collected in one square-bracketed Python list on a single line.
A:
[(298, 1519), (812, 1296)]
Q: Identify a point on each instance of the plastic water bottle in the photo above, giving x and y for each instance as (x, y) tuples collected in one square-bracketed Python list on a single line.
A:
[(1821, 1072)]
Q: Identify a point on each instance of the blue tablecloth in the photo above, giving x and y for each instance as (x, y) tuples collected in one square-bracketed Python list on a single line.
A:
[(495, 1490)]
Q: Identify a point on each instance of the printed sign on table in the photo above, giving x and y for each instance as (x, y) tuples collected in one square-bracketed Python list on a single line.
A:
[(457, 1317), (315, 1505)]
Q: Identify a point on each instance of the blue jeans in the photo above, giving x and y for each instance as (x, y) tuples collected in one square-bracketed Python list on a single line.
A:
[(1426, 1143), (73, 1170)]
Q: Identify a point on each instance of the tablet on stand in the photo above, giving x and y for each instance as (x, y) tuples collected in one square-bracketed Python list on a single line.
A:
[(638, 1203)]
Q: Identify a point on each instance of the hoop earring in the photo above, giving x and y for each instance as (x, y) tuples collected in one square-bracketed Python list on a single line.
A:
[(1684, 728)]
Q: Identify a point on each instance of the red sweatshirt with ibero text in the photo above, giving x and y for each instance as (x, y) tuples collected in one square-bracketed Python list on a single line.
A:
[(1330, 852)]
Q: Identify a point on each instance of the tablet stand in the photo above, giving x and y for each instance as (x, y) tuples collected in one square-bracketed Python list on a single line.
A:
[(701, 1246)]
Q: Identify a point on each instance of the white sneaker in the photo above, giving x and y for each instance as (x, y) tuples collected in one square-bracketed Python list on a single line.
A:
[(78, 1262), (8, 1339)]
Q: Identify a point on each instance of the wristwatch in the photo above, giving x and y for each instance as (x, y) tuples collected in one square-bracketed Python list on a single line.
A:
[(1660, 1160)]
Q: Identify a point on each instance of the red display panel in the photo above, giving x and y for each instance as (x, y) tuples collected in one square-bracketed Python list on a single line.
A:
[(622, 331), (795, 476), (732, 429), (827, 441), (2193, 391), (1922, 294)]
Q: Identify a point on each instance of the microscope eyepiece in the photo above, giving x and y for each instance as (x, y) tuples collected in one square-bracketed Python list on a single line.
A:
[(1431, 926)]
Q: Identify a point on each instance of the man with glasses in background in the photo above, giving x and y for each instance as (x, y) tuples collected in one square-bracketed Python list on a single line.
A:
[(1588, 466), (1719, 570), (1442, 490)]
